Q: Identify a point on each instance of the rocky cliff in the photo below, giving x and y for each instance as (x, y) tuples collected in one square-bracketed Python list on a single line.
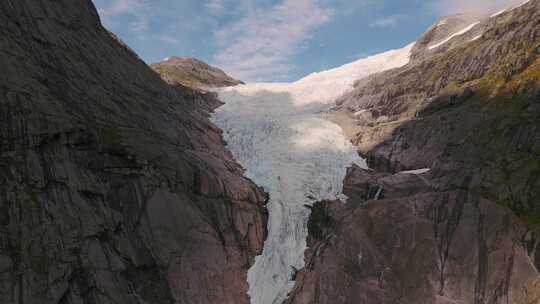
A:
[(114, 186), (467, 231), (193, 73)]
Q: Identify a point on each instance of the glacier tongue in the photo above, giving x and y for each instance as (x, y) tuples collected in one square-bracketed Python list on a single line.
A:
[(279, 134)]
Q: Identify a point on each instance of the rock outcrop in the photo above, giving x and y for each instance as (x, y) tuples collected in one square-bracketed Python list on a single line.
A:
[(466, 232), (114, 186), (420, 241), (190, 72)]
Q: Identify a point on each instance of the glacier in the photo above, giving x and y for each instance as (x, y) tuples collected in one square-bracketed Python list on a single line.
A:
[(279, 133)]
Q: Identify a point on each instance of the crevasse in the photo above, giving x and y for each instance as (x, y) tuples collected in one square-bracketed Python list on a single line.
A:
[(279, 134)]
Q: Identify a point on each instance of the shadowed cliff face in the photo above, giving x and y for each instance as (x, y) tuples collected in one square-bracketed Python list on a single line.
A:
[(114, 186), (423, 240), (468, 230)]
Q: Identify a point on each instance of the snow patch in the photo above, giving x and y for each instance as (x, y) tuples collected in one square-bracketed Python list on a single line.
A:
[(442, 22), (476, 37), (498, 13), (278, 132), (522, 4), (463, 31), (358, 113), (166, 59), (417, 171)]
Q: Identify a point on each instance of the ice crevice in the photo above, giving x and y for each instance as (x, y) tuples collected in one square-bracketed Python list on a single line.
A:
[(278, 132)]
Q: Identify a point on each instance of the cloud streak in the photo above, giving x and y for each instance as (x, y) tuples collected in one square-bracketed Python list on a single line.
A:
[(118, 7), (389, 21), (263, 42), (134, 8), (466, 6)]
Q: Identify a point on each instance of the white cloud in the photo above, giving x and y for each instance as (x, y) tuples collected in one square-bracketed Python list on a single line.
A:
[(261, 44), (215, 6), (135, 8), (168, 39), (388, 21), (464, 6), (118, 7)]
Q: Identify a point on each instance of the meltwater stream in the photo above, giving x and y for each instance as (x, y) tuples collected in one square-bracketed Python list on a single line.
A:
[(279, 134)]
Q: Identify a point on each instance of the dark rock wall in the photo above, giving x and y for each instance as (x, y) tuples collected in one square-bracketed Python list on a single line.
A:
[(114, 186), (422, 241)]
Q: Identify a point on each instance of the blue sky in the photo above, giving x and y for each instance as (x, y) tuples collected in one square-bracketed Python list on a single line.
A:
[(274, 40)]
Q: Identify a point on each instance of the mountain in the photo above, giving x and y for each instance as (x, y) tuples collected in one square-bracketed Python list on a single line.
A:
[(194, 73), (114, 186), (462, 226), (407, 177)]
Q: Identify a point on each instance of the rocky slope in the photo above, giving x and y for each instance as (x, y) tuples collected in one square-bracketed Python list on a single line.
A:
[(421, 241), (114, 186), (468, 230), (192, 73)]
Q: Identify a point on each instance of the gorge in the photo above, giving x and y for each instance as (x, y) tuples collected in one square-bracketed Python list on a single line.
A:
[(411, 176)]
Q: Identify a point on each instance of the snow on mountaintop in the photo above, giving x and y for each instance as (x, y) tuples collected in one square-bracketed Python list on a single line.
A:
[(511, 8), (463, 31), (279, 134), (498, 13), (442, 22), (471, 26), (326, 86)]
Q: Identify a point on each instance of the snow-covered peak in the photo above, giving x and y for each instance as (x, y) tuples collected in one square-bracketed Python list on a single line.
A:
[(326, 86), (323, 88), (360, 68)]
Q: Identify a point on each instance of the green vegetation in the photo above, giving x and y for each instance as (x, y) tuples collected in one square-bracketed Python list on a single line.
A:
[(178, 76), (517, 197), (532, 218), (112, 136)]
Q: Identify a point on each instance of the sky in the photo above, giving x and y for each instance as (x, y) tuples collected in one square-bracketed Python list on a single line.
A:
[(275, 40)]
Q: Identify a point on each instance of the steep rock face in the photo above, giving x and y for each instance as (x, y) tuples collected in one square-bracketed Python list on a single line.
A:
[(114, 186), (193, 73), (421, 242), (466, 232)]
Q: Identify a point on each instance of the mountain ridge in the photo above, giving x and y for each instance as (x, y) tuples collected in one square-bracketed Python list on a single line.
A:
[(191, 72)]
